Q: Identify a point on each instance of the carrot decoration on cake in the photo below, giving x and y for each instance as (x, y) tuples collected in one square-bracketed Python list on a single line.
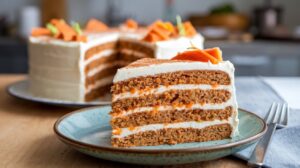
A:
[(94, 25), (58, 28), (213, 55), (79, 36), (39, 31), (131, 24), (161, 31)]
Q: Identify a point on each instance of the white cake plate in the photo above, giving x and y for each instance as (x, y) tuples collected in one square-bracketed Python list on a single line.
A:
[(20, 90)]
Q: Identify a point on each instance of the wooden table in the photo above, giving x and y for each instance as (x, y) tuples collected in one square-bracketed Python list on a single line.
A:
[(27, 138)]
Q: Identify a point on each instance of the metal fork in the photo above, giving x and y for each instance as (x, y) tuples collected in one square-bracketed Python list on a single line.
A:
[(276, 118)]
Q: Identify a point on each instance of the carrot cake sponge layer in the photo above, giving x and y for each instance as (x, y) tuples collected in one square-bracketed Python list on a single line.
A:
[(157, 102)]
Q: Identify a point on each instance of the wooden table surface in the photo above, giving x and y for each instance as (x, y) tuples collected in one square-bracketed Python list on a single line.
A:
[(27, 138)]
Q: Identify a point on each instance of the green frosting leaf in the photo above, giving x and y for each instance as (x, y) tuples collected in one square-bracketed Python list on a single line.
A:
[(180, 26), (76, 27), (52, 28)]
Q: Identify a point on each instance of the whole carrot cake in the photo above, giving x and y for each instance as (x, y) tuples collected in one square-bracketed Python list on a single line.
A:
[(70, 63), (190, 98)]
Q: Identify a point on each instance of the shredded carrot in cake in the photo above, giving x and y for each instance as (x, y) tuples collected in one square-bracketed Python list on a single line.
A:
[(117, 131), (94, 25), (214, 86), (189, 105), (131, 128), (132, 90), (174, 104)]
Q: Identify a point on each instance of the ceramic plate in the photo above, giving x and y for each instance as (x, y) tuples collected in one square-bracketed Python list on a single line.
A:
[(88, 131), (21, 90)]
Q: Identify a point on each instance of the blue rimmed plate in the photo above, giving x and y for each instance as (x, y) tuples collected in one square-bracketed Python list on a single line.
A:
[(20, 90), (88, 131)]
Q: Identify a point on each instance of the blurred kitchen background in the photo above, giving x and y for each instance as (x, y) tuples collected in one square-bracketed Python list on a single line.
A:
[(261, 37)]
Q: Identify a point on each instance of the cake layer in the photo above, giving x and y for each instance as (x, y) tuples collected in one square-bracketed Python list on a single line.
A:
[(97, 93), (170, 116), (99, 48), (102, 54), (129, 57), (98, 59), (174, 136), (208, 77), (137, 54), (99, 83), (161, 89), (138, 46), (107, 72), (98, 62), (174, 98)]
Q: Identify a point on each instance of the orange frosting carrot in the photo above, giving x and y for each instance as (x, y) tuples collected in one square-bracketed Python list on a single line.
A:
[(171, 28), (155, 24), (94, 25), (151, 37), (215, 52), (132, 24), (81, 38), (68, 34), (39, 31), (59, 29), (196, 55), (159, 31), (189, 29)]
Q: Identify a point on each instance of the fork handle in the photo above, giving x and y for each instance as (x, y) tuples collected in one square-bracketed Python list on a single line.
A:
[(258, 155)]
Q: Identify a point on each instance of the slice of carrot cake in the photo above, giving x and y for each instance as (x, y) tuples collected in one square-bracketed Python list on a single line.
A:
[(188, 99)]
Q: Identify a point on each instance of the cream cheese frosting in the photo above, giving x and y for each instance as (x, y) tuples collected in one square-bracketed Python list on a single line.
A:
[(162, 89), (191, 124)]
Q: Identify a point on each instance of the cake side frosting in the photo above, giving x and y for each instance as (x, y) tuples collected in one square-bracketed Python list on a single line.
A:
[(57, 66)]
